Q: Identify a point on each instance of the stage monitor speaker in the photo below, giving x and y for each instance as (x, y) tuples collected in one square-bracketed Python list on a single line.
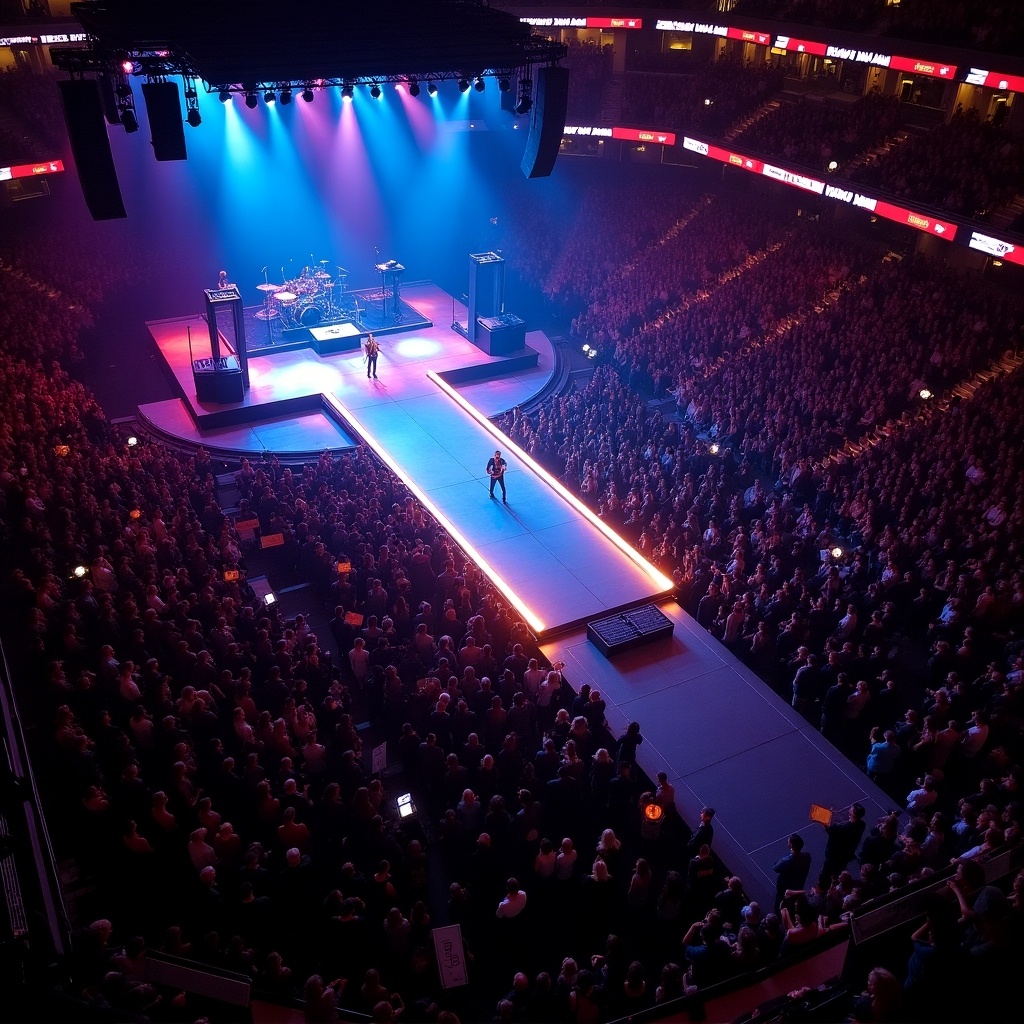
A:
[(165, 121), (547, 122), (90, 146)]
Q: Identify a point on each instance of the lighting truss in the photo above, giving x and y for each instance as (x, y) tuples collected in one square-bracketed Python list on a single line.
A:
[(225, 46)]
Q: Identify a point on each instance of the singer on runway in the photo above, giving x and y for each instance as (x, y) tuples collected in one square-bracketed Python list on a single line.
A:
[(496, 467), (372, 350)]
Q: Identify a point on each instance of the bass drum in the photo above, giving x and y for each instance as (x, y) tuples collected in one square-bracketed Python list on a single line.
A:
[(310, 315)]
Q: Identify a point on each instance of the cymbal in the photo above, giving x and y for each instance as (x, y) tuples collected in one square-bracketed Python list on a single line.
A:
[(267, 287), (342, 272), (323, 263)]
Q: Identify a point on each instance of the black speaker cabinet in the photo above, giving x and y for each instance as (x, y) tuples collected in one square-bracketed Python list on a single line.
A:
[(165, 120), (218, 380), (87, 131), (501, 335), (547, 122)]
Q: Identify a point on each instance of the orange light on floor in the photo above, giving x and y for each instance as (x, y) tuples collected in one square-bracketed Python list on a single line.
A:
[(534, 622), (507, 444), (654, 812)]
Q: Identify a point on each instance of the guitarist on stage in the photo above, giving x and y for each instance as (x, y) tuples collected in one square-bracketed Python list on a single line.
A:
[(496, 467), (371, 350)]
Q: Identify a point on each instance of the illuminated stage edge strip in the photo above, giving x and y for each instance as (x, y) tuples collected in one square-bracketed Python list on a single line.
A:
[(478, 560), (657, 577)]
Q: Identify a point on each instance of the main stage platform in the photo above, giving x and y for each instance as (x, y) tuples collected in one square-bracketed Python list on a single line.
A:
[(721, 734)]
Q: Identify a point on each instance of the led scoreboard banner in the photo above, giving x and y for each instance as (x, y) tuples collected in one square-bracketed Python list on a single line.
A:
[(997, 248), (656, 136), (996, 80), (566, 21), (821, 48), (799, 179), (31, 170)]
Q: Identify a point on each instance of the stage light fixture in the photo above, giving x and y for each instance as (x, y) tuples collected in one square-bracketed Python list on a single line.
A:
[(268, 96), (414, 88), (127, 67), (504, 84), (375, 91), (286, 96), (525, 104), (79, 571), (190, 91), (833, 166), (250, 100), (479, 84), (129, 120), (123, 90), (463, 85), (924, 394), (132, 441), (347, 92), (225, 96), (431, 88), (307, 95), (194, 118)]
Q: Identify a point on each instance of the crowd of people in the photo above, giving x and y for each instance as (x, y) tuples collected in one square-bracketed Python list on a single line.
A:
[(32, 126), (816, 134), (590, 68), (976, 24), (208, 746), (995, 27), (968, 166), (708, 101), (847, 14)]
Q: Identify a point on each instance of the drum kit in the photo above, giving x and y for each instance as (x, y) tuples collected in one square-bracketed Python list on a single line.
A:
[(314, 297)]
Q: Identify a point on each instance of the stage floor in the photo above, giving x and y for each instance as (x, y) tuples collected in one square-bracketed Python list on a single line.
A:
[(725, 740)]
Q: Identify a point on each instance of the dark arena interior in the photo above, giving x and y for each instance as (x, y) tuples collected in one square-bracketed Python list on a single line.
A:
[(511, 511)]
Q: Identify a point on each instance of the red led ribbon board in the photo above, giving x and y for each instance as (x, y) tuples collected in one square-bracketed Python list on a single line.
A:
[(615, 22), (923, 67), (997, 248), (921, 221), (996, 80), (747, 35), (800, 46), (31, 170), (645, 135)]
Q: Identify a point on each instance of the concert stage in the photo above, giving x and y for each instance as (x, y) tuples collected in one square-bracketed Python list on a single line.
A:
[(311, 325), (544, 552), (721, 734)]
